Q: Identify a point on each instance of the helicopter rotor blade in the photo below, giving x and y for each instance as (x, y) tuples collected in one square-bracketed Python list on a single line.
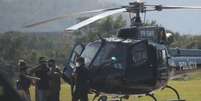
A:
[(160, 7), (181, 7), (68, 15), (95, 18)]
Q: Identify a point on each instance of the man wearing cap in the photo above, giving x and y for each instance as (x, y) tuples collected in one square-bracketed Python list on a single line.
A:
[(24, 82), (54, 81), (81, 79), (42, 85)]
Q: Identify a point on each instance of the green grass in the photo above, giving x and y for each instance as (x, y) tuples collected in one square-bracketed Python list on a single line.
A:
[(190, 90)]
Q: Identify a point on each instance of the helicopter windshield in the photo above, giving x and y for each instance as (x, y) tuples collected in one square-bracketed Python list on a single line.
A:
[(90, 51), (109, 51)]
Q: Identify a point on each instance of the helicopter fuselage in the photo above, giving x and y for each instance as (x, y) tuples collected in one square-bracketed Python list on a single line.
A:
[(129, 66)]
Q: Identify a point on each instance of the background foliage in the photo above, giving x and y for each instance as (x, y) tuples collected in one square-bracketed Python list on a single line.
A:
[(31, 45)]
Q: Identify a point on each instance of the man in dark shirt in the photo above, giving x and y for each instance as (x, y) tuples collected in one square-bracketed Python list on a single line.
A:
[(42, 85), (81, 81), (54, 81), (24, 82)]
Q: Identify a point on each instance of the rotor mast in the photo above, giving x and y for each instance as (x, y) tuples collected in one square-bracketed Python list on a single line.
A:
[(136, 20), (137, 8)]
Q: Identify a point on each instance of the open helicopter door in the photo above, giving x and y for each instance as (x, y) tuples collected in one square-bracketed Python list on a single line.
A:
[(70, 65)]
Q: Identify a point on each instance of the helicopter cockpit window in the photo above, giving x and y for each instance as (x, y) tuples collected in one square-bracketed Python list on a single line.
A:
[(110, 51), (139, 53), (90, 52), (75, 53)]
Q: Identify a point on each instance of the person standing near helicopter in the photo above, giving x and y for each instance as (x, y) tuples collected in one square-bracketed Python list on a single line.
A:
[(42, 85), (54, 81), (81, 81), (23, 84)]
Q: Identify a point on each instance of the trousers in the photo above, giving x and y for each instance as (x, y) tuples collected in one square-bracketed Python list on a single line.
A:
[(81, 95)]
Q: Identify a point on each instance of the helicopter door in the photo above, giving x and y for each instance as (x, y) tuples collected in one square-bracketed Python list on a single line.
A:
[(162, 69), (69, 67), (138, 70)]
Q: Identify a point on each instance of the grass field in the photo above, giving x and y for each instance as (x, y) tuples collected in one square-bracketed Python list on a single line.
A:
[(189, 90)]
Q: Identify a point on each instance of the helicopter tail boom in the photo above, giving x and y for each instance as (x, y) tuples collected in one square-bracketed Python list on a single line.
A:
[(184, 61)]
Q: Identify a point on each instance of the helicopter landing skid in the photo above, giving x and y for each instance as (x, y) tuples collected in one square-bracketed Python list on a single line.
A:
[(176, 92), (152, 96), (105, 98)]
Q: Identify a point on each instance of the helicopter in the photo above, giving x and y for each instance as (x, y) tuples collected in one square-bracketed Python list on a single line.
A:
[(138, 61)]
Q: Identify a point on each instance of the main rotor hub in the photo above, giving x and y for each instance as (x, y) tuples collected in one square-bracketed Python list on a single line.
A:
[(136, 7)]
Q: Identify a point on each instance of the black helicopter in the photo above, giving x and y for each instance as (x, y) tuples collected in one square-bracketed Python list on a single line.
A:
[(138, 61)]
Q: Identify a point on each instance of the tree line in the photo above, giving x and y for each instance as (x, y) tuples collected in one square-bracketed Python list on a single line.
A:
[(32, 45)]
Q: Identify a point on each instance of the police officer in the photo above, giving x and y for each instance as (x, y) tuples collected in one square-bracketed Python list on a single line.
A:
[(54, 81), (24, 82), (81, 79)]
